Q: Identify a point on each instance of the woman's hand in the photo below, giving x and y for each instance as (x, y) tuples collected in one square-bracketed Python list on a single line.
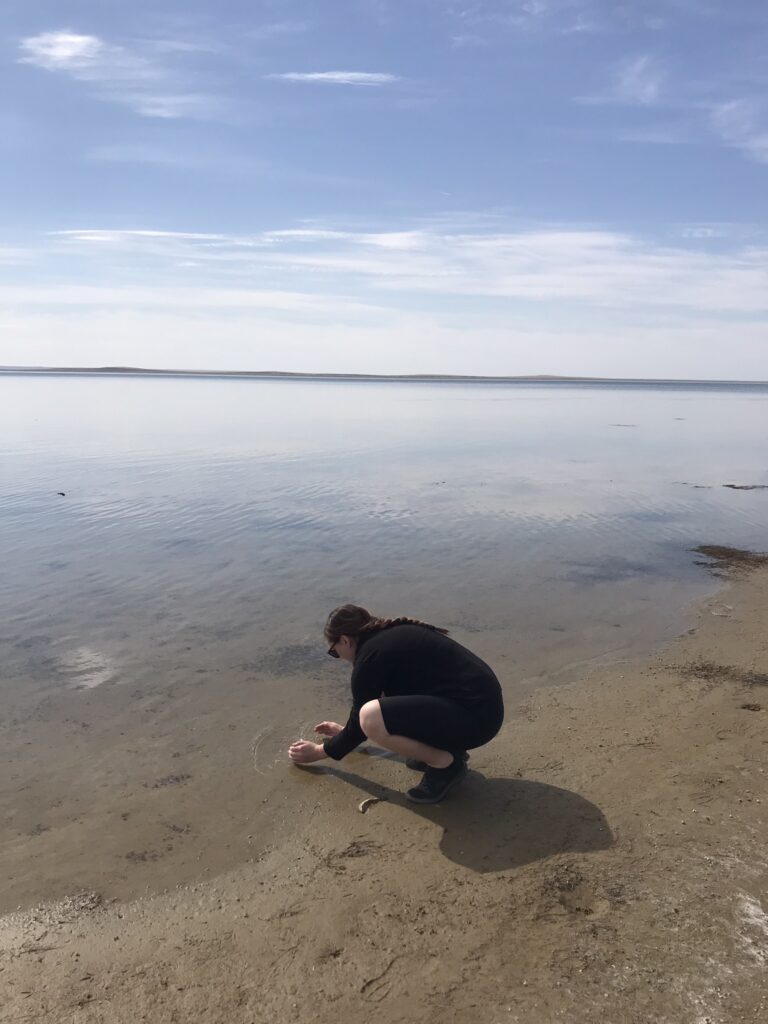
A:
[(304, 752), (329, 728)]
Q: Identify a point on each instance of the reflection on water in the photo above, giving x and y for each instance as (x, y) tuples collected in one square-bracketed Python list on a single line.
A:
[(214, 522)]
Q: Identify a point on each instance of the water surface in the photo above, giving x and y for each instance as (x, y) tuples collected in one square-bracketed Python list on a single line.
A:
[(205, 511)]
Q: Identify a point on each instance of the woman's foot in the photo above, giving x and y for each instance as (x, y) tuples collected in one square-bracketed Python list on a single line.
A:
[(437, 782), (422, 766)]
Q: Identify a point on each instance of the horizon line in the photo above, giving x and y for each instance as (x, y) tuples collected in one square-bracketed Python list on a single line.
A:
[(320, 375)]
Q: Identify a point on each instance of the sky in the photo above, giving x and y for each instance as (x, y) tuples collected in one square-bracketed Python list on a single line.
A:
[(503, 187)]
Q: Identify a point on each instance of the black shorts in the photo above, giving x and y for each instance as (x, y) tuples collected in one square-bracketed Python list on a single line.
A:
[(441, 722)]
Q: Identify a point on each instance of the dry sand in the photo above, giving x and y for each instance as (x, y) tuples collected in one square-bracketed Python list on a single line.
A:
[(605, 860)]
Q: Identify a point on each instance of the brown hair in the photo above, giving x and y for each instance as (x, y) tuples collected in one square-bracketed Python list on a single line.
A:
[(352, 620)]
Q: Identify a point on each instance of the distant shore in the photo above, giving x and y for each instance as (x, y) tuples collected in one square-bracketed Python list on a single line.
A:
[(450, 378)]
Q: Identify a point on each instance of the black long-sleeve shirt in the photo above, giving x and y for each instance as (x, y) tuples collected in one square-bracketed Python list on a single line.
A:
[(407, 660)]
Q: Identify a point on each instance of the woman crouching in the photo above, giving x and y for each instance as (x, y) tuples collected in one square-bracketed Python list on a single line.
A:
[(415, 692)]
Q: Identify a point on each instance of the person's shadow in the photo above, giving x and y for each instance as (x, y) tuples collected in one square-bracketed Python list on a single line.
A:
[(496, 824)]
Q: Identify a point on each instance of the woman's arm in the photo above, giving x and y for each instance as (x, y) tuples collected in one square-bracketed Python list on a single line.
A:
[(367, 684)]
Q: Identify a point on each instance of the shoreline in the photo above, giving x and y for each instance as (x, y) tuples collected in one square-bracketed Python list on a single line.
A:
[(602, 866)]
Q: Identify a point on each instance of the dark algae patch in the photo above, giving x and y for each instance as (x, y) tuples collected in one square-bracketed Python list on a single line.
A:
[(168, 780), (732, 560), (712, 672)]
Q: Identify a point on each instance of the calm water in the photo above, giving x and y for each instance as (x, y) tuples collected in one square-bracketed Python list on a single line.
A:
[(215, 522)]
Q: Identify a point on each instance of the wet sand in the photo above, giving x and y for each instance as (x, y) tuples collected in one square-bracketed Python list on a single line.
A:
[(604, 860)]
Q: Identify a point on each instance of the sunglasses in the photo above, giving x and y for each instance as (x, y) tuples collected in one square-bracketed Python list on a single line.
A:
[(332, 650)]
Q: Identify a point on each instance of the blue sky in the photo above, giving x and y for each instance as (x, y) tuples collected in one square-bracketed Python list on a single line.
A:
[(386, 186)]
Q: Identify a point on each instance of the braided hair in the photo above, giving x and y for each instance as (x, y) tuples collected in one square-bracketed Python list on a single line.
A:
[(353, 621)]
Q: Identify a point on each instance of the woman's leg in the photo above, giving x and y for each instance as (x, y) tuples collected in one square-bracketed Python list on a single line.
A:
[(435, 730), (372, 724)]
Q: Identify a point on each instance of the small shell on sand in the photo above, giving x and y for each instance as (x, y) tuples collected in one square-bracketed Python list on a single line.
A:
[(368, 802)]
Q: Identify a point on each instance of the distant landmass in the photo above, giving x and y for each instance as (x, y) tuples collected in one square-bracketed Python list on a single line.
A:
[(541, 378)]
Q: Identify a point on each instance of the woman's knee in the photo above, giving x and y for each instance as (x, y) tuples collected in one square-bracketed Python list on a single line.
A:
[(371, 718)]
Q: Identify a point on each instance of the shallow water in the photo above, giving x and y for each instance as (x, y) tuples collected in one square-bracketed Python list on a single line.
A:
[(168, 608), (217, 512)]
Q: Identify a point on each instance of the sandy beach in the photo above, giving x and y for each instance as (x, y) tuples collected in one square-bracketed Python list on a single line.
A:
[(604, 860)]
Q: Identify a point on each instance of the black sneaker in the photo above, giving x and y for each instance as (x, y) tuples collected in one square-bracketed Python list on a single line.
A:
[(437, 782), (422, 766)]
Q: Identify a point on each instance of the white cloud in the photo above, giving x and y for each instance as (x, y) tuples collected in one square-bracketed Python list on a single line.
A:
[(57, 51), (307, 234), (571, 268), (337, 77), (402, 240), (119, 74), (431, 297), (87, 58)]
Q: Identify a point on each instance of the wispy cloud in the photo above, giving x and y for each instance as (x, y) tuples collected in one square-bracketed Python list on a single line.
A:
[(101, 235), (163, 46), (371, 78), (487, 18), (224, 163), (657, 136), (691, 110), (137, 297), (710, 231), (639, 80), (14, 255), (743, 123), (635, 81), (138, 153), (174, 105), (513, 13), (120, 74), (278, 28)]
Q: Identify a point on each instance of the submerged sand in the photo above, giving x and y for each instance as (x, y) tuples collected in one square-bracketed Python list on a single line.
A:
[(604, 860)]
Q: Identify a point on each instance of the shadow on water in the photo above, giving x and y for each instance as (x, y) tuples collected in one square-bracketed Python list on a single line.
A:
[(497, 824)]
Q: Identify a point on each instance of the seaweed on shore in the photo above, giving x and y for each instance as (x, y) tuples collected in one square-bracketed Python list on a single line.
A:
[(730, 560)]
